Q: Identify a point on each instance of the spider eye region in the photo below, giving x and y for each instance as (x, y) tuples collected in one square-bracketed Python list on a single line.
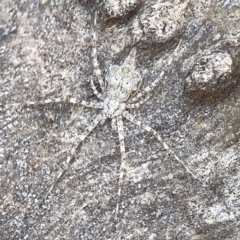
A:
[(122, 82), (113, 108)]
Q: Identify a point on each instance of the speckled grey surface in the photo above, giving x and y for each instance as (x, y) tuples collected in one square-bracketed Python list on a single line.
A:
[(45, 52)]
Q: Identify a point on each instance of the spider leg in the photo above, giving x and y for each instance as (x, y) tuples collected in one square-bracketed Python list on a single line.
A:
[(137, 104), (166, 147), (114, 124), (57, 100), (95, 91), (94, 53), (140, 94), (71, 156), (123, 162)]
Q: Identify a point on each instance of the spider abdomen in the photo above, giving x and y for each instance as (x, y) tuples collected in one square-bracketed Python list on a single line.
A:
[(122, 82)]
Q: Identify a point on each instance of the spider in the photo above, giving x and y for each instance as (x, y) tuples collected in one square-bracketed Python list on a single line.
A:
[(119, 92)]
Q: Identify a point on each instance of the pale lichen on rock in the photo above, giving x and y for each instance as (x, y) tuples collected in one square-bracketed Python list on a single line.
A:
[(210, 77), (214, 73), (119, 8), (158, 23)]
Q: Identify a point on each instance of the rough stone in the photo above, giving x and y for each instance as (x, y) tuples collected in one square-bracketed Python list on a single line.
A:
[(46, 52)]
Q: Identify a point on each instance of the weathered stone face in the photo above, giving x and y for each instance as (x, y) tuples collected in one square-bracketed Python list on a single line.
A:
[(119, 8), (210, 77), (158, 23), (46, 52)]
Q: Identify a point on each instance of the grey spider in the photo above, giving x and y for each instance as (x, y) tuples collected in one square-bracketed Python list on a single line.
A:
[(120, 92)]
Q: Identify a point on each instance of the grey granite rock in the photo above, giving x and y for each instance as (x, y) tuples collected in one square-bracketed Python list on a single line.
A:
[(46, 52)]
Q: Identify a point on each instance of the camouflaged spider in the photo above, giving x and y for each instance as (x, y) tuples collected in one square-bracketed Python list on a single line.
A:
[(120, 92)]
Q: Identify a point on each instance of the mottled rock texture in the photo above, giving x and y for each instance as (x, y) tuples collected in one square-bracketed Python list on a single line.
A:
[(46, 52)]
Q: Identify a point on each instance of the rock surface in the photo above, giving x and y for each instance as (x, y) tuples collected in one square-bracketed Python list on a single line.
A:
[(46, 52)]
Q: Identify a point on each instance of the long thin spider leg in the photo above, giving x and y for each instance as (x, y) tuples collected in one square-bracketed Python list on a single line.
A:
[(139, 95), (95, 91), (123, 162), (57, 100), (94, 53), (137, 104), (114, 124), (166, 147), (82, 137)]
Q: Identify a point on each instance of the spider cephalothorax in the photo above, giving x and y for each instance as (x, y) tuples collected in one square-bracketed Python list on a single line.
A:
[(113, 108)]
